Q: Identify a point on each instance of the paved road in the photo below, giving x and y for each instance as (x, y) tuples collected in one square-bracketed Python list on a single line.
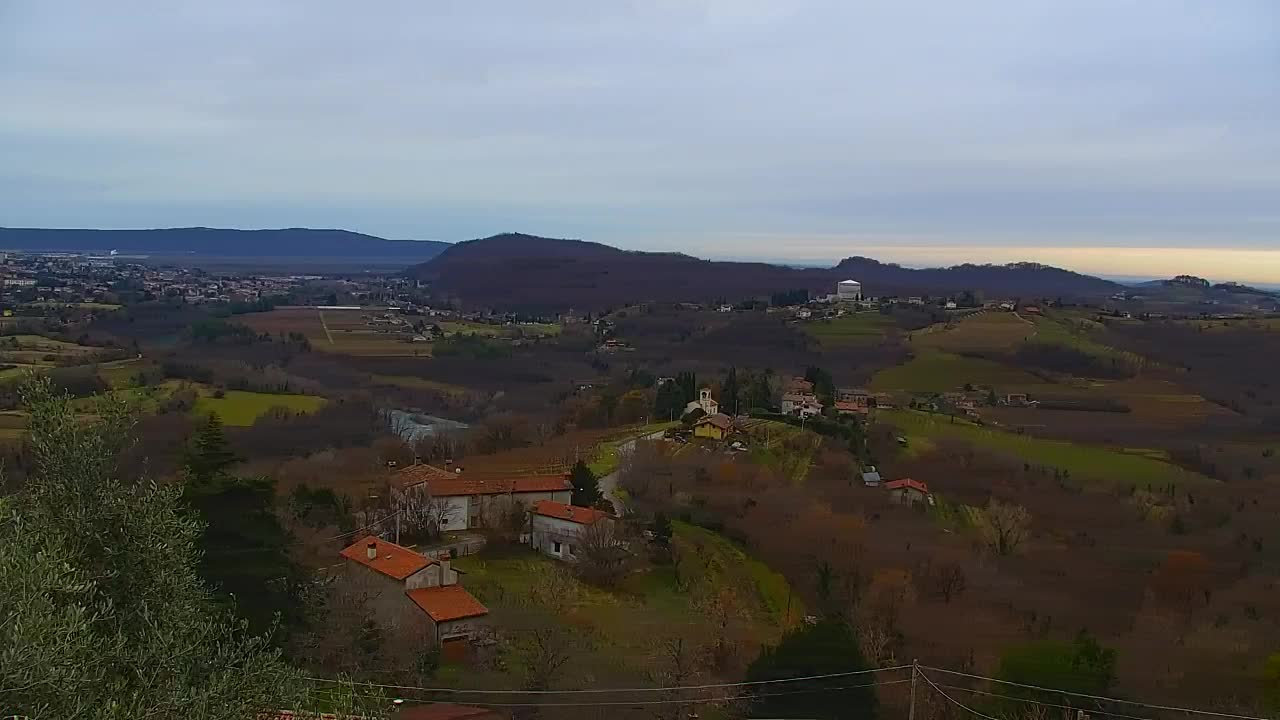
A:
[(609, 483)]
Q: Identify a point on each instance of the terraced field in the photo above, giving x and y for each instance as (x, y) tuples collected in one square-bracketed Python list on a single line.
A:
[(986, 331), (35, 352), (1083, 462)]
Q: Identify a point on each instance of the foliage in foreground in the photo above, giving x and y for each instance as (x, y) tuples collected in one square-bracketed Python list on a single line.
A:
[(104, 615), (824, 648)]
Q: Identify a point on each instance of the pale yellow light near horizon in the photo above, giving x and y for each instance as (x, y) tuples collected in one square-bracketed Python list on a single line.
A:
[(1239, 264)]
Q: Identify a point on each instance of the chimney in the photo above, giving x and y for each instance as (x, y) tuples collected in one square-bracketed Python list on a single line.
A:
[(446, 570), (371, 550)]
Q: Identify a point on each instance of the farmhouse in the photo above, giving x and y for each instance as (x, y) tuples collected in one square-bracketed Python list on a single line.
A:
[(852, 401), (801, 404), (555, 527), (713, 427), (908, 491), (414, 594), (467, 503)]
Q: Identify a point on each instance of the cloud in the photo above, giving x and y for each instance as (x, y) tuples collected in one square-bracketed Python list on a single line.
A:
[(1093, 122)]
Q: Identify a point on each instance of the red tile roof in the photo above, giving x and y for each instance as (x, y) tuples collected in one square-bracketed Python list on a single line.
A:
[(390, 559), (907, 483), (720, 420), (418, 474), (572, 513), (463, 485), (447, 711), (451, 602)]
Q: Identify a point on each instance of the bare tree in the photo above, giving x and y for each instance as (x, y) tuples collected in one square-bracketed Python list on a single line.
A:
[(943, 578), (1004, 526), (602, 554), (420, 514)]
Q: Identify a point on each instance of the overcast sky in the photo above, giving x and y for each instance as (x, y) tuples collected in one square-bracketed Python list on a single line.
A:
[(929, 131)]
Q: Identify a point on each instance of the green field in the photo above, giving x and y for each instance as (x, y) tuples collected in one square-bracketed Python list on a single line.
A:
[(864, 328), (1083, 462), (934, 371), (986, 331), (239, 407)]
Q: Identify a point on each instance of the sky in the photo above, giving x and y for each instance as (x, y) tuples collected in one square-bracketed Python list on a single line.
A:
[(1122, 137)]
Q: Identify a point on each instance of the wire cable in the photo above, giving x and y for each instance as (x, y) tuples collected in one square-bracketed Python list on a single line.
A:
[(680, 701), (955, 702), (1091, 711), (589, 691), (1102, 698), (366, 527)]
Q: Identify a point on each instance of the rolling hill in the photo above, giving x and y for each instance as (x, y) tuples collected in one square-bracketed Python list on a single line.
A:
[(524, 271), (218, 242)]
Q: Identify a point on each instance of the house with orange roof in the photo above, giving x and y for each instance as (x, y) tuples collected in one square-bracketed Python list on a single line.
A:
[(415, 594), (555, 527), (471, 502), (908, 491)]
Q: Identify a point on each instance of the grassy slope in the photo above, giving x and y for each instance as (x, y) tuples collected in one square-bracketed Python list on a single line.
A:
[(1084, 462), (984, 331), (239, 407), (854, 329), (937, 371), (661, 601)]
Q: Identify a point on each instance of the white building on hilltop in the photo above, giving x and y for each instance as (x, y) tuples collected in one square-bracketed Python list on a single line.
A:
[(849, 291)]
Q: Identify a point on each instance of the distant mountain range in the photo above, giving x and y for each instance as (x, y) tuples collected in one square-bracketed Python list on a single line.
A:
[(217, 242), (525, 271)]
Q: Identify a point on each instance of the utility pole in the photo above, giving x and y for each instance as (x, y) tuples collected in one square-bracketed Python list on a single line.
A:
[(915, 672)]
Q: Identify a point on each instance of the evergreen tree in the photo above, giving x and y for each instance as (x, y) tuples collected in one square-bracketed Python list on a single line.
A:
[(688, 383), (244, 548), (104, 613), (669, 402), (729, 393), (824, 648), (760, 391), (823, 386), (586, 488), (662, 529), (209, 455)]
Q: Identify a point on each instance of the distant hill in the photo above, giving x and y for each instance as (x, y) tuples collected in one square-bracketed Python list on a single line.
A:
[(516, 270), (217, 242)]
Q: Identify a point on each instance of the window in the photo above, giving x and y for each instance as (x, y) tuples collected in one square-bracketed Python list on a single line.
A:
[(556, 550), (569, 548)]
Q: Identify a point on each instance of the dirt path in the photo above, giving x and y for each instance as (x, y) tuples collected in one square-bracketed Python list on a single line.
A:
[(325, 325)]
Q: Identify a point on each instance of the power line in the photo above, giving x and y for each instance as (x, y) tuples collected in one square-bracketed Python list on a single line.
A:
[(591, 691), (1091, 711), (1101, 698), (682, 701), (366, 527), (955, 702)]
